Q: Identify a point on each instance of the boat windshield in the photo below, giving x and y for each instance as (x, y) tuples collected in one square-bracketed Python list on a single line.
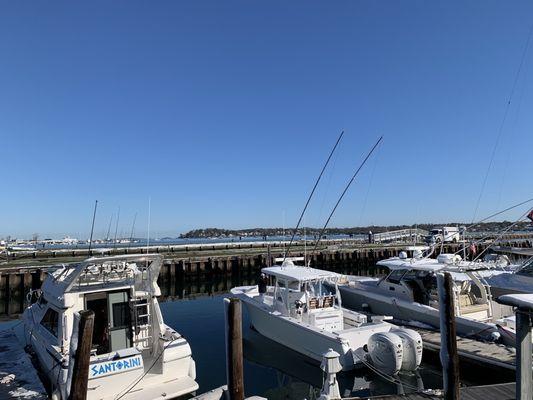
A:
[(318, 289), (396, 275)]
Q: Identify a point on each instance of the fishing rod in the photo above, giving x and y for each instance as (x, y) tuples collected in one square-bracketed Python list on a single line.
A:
[(92, 227), (311, 195), (462, 249), (499, 212), (345, 190)]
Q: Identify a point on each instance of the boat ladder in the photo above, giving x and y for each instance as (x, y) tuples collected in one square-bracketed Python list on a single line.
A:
[(142, 322)]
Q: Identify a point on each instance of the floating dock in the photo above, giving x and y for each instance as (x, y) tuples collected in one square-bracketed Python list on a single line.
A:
[(503, 391), (474, 353), (18, 376)]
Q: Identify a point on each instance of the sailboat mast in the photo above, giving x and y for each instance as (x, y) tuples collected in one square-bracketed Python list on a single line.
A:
[(92, 226)]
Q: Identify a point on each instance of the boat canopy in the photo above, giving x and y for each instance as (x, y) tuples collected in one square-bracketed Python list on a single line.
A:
[(139, 270), (300, 274)]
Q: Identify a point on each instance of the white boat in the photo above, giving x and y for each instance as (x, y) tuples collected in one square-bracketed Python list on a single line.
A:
[(298, 310), (409, 293), (518, 281), (134, 354)]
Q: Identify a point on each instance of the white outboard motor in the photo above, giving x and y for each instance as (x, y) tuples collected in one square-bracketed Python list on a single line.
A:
[(412, 348), (386, 352)]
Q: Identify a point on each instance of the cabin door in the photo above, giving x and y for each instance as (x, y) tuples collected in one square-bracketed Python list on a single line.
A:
[(112, 323), (119, 321)]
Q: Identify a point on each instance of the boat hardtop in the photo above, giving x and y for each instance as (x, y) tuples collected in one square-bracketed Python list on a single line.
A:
[(452, 263), (103, 273), (294, 273)]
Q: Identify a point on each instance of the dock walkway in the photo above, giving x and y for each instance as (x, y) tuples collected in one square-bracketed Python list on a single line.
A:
[(502, 391), (18, 377), (488, 355)]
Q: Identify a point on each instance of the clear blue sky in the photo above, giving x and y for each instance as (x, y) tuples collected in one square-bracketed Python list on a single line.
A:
[(223, 112)]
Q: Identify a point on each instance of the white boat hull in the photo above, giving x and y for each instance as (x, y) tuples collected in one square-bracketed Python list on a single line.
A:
[(355, 297), (296, 336)]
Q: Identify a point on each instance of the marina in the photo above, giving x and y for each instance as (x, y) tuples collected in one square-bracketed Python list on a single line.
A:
[(297, 200), (263, 356)]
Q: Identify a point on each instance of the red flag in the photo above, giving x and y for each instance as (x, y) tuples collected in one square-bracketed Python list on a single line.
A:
[(530, 215)]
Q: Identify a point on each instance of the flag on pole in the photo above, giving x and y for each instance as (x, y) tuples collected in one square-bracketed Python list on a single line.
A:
[(473, 249)]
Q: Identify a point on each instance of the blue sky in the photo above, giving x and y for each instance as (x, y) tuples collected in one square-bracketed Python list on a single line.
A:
[(223, 112)]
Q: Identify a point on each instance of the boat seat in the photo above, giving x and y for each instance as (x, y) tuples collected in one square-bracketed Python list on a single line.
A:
[(467, 299), (474, 308)]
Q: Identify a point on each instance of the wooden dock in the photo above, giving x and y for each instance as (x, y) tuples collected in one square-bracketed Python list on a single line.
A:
[(502, 391), (474, 355), (18, 377)]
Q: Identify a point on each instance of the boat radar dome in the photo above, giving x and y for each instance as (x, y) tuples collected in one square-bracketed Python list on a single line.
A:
[(288, 263), (402, 255)]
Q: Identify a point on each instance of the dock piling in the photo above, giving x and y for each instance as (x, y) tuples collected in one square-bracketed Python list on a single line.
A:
[(234, 358), (523, 362), (448, 349), (80, 376)]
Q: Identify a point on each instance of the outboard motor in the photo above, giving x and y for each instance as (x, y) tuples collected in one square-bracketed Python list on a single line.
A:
[(412, 348), (386, 352)]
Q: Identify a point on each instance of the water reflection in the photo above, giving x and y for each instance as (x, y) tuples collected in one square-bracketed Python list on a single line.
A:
[(297, 374), (270, 370)]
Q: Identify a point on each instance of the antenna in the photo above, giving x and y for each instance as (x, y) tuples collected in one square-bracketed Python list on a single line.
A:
[(116, 228), (92, 227), (149, 212), (345, 190), (311, 194)]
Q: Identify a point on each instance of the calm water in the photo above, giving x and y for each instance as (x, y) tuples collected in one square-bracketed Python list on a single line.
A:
[(270, 370)]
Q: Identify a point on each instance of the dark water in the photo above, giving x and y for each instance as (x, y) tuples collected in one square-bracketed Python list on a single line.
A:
[(270, 370)]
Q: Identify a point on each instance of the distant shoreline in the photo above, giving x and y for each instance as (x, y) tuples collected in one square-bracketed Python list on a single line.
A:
[(205, 233)]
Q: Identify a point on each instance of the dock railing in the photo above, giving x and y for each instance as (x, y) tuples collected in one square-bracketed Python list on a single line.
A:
[(410, 234)]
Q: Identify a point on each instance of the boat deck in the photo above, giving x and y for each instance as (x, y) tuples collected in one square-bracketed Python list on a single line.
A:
[(474, 352), (502, 391), (18, 377)]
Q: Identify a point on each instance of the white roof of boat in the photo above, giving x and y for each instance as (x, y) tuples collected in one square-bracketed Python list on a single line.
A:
[(301, 274), (422, 264), (432, 264)]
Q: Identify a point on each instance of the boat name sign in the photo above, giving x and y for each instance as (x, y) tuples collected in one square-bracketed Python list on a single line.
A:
[(113, 367)]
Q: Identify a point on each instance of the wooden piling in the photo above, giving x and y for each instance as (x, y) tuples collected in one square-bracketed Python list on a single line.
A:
[(524, 389), (448, 353), (234, 360), (80, 376)]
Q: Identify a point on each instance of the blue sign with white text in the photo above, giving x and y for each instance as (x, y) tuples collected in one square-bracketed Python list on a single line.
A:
[(112, 367)]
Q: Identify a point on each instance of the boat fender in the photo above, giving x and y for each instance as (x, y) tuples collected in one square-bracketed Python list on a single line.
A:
[(412, 348)]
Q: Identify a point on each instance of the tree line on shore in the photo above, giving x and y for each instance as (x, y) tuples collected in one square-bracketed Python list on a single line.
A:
[(361, 230)]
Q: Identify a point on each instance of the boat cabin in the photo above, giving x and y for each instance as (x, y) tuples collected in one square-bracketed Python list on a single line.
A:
[(120, 291), (307, 294), (414, 279)]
